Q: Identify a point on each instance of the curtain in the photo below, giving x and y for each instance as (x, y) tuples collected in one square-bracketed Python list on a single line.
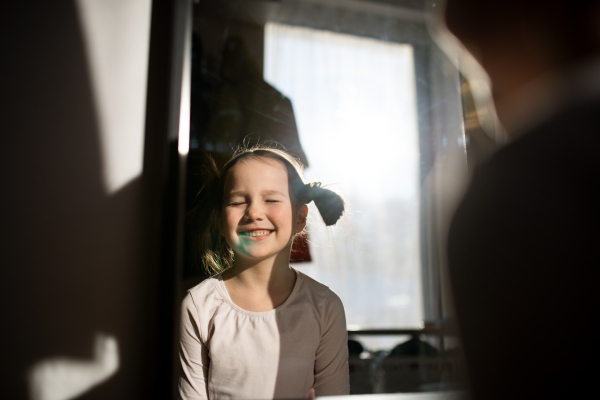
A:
[(355, 105)]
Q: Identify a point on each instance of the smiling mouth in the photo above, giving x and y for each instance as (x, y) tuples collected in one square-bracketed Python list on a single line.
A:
[(257, 233)]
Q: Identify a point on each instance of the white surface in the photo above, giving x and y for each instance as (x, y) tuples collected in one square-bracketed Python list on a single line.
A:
[(117, 39), (64, 379), (404, 396)]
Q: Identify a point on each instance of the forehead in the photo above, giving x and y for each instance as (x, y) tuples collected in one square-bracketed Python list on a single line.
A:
[(257, 173)]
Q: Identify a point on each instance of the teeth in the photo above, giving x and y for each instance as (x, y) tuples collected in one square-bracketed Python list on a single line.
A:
[(256, 233)]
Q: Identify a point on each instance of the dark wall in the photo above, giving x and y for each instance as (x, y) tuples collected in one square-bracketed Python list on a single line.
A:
[(76, 261)]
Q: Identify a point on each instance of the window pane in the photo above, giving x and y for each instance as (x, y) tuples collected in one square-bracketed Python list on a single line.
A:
[(355, 105)]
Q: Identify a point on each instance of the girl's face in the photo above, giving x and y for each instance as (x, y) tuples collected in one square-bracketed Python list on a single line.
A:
[(258, 218)]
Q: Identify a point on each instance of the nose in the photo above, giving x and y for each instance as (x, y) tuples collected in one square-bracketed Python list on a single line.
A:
[(254, 212)]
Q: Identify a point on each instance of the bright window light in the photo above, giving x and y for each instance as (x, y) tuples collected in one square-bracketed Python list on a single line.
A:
[(355, 106)]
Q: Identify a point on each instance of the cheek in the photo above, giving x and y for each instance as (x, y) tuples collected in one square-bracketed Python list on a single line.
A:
[(230, 219), (283, 215)]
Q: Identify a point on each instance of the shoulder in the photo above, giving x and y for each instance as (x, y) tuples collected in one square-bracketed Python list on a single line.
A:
[(325, 298), (314, 286), (555, 158), (202, 295), (552, 163), (198, 308), (534, 191), (563, 144)]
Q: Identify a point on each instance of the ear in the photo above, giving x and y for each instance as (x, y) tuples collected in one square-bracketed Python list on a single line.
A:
[(301, 218)]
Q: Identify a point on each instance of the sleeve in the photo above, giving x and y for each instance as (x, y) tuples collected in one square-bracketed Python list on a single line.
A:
[(331, 361), (193, 355)]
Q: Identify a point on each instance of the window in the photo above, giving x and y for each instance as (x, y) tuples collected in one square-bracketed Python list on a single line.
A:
[(354, 99)]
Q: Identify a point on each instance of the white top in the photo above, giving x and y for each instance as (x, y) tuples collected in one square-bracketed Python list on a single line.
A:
[(229, 352)]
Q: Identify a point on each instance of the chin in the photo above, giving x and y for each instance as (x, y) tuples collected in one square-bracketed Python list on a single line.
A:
[(256, 256)]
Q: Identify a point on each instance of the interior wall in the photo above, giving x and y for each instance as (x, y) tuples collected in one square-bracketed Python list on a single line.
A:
[(75, 279)]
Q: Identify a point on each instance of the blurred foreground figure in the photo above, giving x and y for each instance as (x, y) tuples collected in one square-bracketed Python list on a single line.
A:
[(524, 244)]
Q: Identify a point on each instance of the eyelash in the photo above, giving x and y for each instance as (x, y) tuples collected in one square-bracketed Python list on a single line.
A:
[(239, 204)]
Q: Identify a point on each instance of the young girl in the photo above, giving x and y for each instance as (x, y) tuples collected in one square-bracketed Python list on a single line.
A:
[(259, 329)]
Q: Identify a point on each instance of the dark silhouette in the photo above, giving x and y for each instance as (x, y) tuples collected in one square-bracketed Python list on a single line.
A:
[(414, 347), (523, 244)]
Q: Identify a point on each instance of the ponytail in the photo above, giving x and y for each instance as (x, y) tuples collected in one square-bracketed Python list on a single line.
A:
[(330, 204)]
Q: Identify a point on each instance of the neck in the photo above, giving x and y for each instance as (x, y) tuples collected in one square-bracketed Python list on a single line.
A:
[(269, 273)]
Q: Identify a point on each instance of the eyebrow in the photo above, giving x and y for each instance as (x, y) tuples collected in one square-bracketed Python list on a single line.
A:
[(264, 193)]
